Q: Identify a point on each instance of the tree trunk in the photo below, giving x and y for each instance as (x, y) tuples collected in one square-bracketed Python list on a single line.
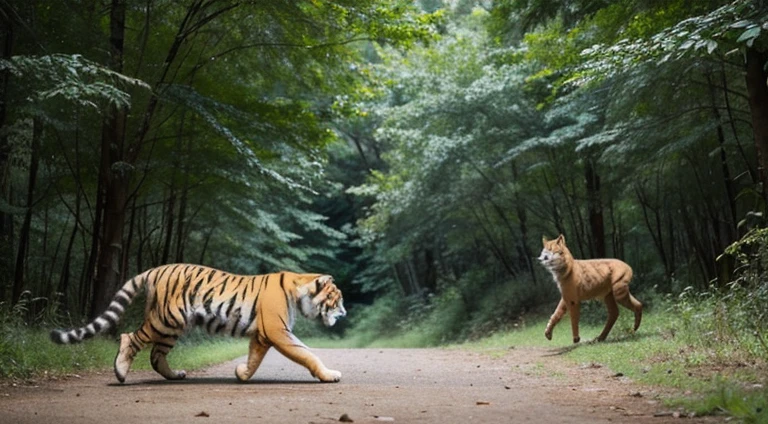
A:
[(23, 249), (170, 211), (730, 191), (757, 90), (6, 219), (595, 206), (522, 216), (114, 176)]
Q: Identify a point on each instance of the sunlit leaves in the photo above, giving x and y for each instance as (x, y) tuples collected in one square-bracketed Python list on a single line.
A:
[(73, 78), (733, 26)]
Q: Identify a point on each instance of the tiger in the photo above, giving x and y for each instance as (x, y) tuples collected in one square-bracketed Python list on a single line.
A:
[(180, 296)]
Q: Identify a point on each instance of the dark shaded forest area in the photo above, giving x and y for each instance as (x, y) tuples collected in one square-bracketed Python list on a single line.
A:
[(417, 151)]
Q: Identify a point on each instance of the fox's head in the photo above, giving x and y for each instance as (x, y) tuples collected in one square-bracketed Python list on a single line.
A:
[(554, 254)]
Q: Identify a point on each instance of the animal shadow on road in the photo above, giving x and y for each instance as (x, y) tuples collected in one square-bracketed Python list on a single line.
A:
[(624, 338), (211, 381)]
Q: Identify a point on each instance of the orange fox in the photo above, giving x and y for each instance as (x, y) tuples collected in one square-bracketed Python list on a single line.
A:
[(579, 280)]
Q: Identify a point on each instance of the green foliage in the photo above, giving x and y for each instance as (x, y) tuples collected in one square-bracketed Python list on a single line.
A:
[(72, 77)]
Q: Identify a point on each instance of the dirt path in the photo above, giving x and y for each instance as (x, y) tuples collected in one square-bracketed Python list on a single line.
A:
[(378, 385)]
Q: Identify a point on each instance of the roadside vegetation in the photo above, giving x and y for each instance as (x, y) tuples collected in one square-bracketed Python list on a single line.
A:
[(416, 150)]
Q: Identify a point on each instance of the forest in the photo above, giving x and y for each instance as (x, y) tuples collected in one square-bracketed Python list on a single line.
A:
[(416, 150)]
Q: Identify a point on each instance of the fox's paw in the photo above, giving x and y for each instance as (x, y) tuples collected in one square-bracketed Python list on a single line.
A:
[(576, 339), (548, 333)]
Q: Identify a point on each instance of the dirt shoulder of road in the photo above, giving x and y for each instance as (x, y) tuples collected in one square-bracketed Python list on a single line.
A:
[(378, 385)]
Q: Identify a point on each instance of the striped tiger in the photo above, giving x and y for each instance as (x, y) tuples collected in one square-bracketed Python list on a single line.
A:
[(179, 296)]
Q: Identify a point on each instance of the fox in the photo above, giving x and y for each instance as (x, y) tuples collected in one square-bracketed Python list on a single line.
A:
[(581, 280)]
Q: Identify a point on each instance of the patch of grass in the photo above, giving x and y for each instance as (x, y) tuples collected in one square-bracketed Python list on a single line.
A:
[(195, 354), (715, 379), (29, 353)]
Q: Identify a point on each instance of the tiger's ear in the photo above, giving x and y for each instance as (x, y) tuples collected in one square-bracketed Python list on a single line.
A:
[(321, 282)]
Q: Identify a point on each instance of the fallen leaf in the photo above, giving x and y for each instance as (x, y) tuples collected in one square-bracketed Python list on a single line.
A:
[(345, 419), (482, 402), (202, 414)]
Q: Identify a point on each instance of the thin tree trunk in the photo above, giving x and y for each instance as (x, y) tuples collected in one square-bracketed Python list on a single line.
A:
[(595, 207), (730, 191), (23, 249), (522, 216), (757, 90), (6, 219), (170, 211), (115, 180)]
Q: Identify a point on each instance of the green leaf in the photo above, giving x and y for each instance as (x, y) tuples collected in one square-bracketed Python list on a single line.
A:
[(749, 35)]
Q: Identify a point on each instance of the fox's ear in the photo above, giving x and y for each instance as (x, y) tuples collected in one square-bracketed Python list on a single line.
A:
[(544, 240), (561, 239)]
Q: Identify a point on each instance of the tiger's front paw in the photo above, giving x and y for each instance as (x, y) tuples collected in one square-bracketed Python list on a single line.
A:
[(242, 374), (329, 376)]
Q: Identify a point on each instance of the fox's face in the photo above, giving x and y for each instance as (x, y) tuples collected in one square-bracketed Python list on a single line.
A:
[(554, 253)]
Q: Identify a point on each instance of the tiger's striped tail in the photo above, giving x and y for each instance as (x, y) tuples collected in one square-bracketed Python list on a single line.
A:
[(108, 318)]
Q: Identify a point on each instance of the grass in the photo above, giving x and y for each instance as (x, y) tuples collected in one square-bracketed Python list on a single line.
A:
[(669, 350), (716, 379), (28, 354)]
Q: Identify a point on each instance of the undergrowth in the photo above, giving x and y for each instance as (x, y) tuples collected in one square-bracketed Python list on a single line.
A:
[(26, 351)]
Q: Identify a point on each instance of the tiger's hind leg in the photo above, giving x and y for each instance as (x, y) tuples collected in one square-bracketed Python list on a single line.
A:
[(130, 345), (159, 361)]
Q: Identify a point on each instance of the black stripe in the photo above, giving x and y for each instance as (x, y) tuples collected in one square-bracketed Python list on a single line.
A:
[(282, 280), (224, 284), (134, 285), (142, 332), (111, 320), (235, 325), (197, 286), (158, 331), (175, 284), (232, 302), (211, 324), (122, 300), (135, 346), (169, 286), (113, 308), (285, 324), (166, 345), (97, 326)]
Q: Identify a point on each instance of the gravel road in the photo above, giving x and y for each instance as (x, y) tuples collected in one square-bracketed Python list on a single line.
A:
[(518, 385)]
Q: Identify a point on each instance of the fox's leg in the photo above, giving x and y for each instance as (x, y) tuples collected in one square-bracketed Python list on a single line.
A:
[(613, 314), (290, 346), (633, 305), (256, 353), (555, 318), (574, 310)]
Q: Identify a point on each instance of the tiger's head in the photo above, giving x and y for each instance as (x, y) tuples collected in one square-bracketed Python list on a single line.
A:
[(320, 296)]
